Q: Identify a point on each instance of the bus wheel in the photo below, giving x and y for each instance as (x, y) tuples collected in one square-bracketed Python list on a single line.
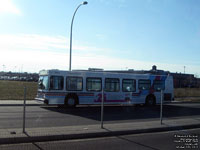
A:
[(150, 100), (71, 101)]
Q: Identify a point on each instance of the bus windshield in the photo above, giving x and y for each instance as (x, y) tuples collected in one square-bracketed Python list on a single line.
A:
[(43, 83)]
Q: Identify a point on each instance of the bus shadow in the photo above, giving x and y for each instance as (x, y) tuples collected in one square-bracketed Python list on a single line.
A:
[(179, 111), (114, 113)]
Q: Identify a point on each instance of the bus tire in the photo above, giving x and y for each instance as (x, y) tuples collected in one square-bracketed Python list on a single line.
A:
[(150, 100), (71, 101)]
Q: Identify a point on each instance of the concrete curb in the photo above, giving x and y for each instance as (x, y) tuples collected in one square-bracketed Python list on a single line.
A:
[(183, 102), (105, 133)]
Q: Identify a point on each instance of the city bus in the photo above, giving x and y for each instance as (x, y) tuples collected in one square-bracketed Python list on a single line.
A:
[(73, 88)]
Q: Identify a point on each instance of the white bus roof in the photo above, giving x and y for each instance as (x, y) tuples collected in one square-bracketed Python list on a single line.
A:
[(96, 73)]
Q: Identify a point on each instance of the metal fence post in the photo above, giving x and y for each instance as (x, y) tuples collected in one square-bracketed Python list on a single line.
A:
[(102, 108), (161, 106), (24, 112)]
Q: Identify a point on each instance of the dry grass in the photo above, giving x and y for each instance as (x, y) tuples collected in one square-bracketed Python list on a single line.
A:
[(186, 92), (14, 90)]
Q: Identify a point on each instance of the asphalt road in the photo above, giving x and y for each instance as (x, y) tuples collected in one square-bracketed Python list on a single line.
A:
[(46, 116), (185, 139)]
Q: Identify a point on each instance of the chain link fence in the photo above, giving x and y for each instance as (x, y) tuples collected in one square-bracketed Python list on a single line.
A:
[(43, 117)]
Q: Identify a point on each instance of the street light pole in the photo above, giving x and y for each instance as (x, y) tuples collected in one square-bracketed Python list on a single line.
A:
[(70, 56)]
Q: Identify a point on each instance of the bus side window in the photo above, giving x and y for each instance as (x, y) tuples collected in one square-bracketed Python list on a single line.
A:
[(159, 85), (144, 84), (112, 85), (56, 82), (93, 84), (74, 83), (128, 85)]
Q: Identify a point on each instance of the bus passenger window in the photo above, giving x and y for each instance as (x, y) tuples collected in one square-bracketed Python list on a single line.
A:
[(128, 85), (111, 85), (74, 83), (159, 85), (56, 83), (93, 84), (144, 84)]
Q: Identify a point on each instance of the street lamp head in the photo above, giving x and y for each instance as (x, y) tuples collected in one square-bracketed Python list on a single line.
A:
[(85, 3)]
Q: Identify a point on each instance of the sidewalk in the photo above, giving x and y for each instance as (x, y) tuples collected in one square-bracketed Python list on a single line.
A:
[(10, 136), (19, 103)]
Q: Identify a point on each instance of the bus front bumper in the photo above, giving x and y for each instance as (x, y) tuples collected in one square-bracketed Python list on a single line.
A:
[(45, 101)]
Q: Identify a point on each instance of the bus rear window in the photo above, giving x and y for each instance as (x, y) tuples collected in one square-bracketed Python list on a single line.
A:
[(43, 83)]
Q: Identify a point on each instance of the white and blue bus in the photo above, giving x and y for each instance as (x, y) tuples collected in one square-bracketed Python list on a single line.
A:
[(73, 88)]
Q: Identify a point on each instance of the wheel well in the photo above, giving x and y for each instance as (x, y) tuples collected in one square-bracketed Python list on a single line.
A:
[(151, 96), (74, 95)]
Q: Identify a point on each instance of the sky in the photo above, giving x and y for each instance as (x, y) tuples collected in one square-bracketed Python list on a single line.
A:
[(108, 34)]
